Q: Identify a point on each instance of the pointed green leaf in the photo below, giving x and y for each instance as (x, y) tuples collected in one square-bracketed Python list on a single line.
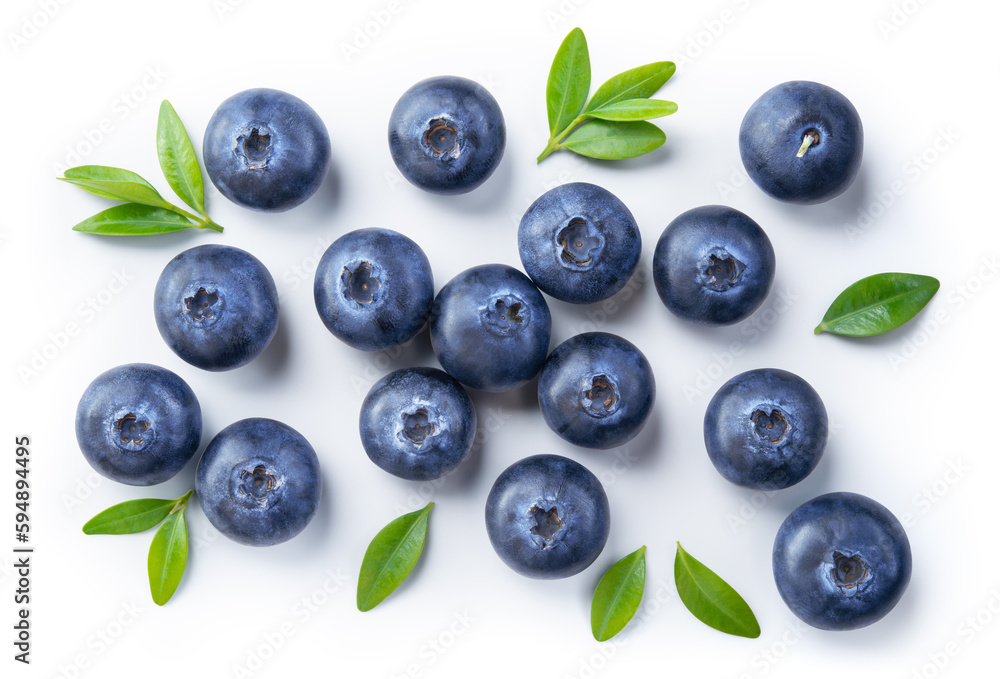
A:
[(636, 83), (114, 183), (618, 595), (177, 158), (133, 516), (569, 81), (391, 556), (634, 109), (614, 141), (132, 219), (711, 599), (167, 557), (878, 304)]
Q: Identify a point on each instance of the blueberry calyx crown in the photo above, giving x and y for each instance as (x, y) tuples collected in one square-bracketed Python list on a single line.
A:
[(254, 147), (602, 398), (442, 139), (361, 283), (132, 432), (581, 244), (203, 305), (723, 271), (257, 483), (547, 523), (771, 426), (417, 427), (505, 315), (850, 573)]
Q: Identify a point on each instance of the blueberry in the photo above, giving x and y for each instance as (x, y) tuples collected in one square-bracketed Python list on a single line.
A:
[(138, 424), (259, 482), (266, 150), (765, 429), (418, 423), (374, 288), (579, 243), (490, 328), (446, 135), (216, 306), (801, 142), (841, 561), (596, 390), (547, 517), (713, 265)]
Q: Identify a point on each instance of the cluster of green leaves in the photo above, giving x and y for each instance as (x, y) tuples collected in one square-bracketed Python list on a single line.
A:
[(878, 304), (613, 125), (168, 551), (707, 596), (144, 211)]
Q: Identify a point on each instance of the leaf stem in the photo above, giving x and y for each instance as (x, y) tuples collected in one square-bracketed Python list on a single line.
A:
[(554, 141), (182, 502), (200, 223)]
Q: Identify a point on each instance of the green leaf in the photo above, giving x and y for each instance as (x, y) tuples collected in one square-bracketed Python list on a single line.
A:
[(634, 109), (167, 557), (177, 159), (878, 304), (569, 81), (711, 599), (114, 183), (133, 516), (132, 219), (614, 141), (618, 595), (636, 83), (391, 556)]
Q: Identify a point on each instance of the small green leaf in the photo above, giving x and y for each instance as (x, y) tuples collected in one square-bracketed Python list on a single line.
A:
[(167, 557), (569, 81), (878, 304), (391, 556), (636, 83), (618, 595), (177, 158), (114, 183), (614, 141), (132, 219), (634, 109), (133, 516), (711, 599)]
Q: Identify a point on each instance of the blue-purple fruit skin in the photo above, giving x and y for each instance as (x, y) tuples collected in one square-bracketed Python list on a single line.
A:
[(447, 135), (374, 289), (266, 150), (579, 243), (216, 306), (490, 328), (713, 266), (417, 423), (138, 424), (841, 561), (259, 482), (772, 133), (596, 390), (547, 517), (766, 429)]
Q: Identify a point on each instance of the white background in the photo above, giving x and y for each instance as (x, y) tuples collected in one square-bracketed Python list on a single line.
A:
[(913, 412)]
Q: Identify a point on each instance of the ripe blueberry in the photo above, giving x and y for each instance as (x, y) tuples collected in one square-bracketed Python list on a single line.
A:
[(216, 306), (841, 561), (713, 265), (547, 517), (138, 424), (596, 390), (259, 482), (447, 135), (266, 150)]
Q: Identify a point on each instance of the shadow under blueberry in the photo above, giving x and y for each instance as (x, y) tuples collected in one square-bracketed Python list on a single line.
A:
[(485, 197), (273, 361), (316, 210), (834, 213)]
